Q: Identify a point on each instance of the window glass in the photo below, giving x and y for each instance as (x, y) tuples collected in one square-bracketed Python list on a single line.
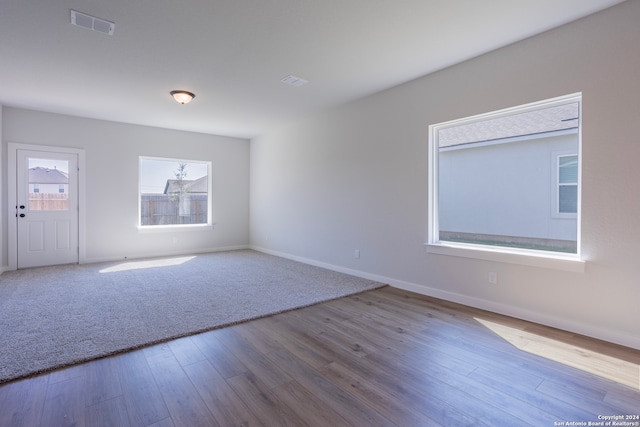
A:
[(48, 184), (568, 199), (568, 169), (174, 192), (493, 183)]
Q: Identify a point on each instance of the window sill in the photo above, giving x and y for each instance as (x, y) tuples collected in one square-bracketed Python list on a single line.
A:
[(174, 228), (559, 261)]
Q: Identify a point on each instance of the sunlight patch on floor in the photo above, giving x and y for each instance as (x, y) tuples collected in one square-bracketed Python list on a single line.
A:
[(591, 361), (154, 263)]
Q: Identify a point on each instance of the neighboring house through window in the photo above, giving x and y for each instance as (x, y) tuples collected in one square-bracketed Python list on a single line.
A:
[(174, 192), (47, 180), (48, 184), (508, 179)]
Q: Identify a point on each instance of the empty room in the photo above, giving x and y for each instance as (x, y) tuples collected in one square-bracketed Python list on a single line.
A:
[(225, 213)]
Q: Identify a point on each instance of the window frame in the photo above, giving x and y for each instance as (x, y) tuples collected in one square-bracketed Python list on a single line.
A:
[(538, 258), (176, 227)]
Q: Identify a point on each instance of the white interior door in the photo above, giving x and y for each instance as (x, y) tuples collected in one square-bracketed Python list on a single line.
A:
[(46, 208)]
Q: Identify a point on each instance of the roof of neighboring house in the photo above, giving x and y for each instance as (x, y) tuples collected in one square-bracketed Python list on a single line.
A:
[(534, 122), (199, 185), (40, 175)]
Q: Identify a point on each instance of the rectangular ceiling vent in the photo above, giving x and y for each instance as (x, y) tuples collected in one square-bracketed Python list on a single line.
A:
[(294, 81), (92, 23)]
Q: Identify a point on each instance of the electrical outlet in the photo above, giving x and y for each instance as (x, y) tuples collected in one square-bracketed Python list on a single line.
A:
[(493, 278)]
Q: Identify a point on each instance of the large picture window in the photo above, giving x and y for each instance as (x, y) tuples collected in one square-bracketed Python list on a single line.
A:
[(492, 184), (174, 192)]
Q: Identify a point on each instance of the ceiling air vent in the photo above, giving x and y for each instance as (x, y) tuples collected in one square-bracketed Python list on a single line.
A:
[(92, 23), (294, 81)]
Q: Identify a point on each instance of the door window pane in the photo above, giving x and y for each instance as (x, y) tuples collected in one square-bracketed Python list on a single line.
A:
[(48, 184)]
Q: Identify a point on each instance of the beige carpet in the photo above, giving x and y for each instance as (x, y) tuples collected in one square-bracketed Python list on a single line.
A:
[(56, 316)]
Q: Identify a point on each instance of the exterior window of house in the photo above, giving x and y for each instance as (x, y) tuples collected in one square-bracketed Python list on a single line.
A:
[(568, 184), (61, 188), (493, 188), (174, 192), (36, 188)]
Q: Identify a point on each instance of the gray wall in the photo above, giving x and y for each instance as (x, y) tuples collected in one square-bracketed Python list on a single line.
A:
[(355, 177), (112, 151)]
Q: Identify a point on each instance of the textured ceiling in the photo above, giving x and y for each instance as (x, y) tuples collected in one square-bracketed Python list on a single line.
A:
[(233, 53)]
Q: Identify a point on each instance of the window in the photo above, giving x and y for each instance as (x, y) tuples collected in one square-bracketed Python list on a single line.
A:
[(568, 184), (174, 192), (48, 184), (492, 186)]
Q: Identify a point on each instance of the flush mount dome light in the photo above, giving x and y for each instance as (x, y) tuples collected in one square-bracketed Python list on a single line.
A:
[(182, 96)]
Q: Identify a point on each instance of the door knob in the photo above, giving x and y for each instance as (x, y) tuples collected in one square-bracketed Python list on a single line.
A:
[(22, 215)]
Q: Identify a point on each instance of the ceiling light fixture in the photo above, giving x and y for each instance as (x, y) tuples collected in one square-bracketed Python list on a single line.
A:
[(182, 96)]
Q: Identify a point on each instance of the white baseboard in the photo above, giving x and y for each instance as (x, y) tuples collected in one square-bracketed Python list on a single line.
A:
[(145, 255), (495, 307), (163, 254), (332, 267), (525, 314)]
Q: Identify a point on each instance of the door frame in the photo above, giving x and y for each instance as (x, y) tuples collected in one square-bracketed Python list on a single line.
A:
[(12, 226)]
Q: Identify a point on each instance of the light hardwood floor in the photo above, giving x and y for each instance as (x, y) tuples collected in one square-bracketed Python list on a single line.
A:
[(382, 358)]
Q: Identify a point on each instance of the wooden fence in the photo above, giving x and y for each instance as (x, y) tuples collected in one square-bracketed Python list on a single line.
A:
[(48, 201), (163, 209)]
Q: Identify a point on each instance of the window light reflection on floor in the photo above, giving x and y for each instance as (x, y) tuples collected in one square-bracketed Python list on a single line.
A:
[(588, 360), (154, 263)]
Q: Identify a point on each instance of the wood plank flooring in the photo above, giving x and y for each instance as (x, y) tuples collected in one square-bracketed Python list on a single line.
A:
[(382, 358)]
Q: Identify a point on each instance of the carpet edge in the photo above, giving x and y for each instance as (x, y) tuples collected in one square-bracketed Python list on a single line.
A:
[(48, 370)]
